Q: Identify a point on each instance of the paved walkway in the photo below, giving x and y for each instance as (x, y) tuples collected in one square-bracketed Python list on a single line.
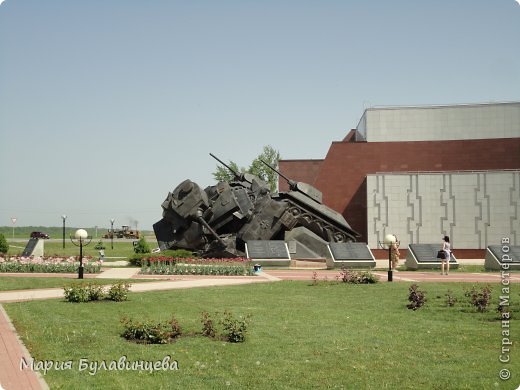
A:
[(12, 351), (12, 377), (400, 276), (127, 273), (118, 273)]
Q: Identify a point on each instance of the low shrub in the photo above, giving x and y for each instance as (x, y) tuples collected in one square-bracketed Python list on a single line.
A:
[(315, 278), (136, 259), (141, 246), (95, 292), (450, 299), (416, 297), (119, 292), (208, 327), (479, 299), (100, 245), (234, 328), (175, 328), (357, 277), (76, 293), (86, 292), (148, 332)]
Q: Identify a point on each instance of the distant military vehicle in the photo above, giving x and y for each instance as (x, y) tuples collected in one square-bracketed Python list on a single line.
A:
[(220, 219), (124, 232)]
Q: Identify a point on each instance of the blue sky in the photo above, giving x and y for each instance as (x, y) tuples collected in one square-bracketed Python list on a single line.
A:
[(105, 106)]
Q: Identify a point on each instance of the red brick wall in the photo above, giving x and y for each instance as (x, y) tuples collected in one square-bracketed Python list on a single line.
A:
[(342, 174), (305, 171)]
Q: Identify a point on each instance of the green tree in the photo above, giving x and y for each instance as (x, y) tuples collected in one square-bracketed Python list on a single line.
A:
[(271, 156), (224, 174), (257, 167), (142, 246), (4, 246)]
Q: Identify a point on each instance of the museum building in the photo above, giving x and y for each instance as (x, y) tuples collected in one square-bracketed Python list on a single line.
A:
[(423, 172)]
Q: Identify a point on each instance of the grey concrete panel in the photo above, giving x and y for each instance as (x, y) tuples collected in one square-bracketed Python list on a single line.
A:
[(502, 258)]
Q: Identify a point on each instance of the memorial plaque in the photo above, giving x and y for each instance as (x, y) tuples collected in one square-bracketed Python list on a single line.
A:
[(350, 255), (350, 251), (427, 252), (267, 249), (29, 248), (424, 256), (512, 254)]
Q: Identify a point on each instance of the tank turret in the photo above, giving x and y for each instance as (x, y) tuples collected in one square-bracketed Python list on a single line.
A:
[(305, 204), (247, 180), (303, 188)]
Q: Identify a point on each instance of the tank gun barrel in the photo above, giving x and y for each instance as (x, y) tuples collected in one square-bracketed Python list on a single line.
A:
[(235, 173), (206, 225), (292, 183)]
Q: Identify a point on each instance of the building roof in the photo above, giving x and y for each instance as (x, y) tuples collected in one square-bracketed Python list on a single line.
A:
[(440, 122)]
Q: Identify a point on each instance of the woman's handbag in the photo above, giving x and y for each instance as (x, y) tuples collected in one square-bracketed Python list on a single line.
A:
[(441, 254)]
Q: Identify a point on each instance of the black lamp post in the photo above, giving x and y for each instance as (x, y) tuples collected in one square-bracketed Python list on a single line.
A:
[(388, 241), (64, 217), (83, 239), (112, 232)]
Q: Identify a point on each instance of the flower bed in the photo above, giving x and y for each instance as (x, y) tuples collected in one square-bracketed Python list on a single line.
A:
[(191, 266), (48, 264)]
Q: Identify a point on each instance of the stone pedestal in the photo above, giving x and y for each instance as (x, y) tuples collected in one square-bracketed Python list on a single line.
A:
[(33, 248)]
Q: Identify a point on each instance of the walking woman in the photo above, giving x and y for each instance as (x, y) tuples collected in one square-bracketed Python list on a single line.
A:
[(446, 247)]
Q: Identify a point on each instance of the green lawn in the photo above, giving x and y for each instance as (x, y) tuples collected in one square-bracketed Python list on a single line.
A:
[(56, 231), (51, 248), (11, 283), (301, 337)]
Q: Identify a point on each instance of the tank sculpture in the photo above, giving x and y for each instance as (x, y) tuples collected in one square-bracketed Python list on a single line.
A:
[(219, 220)]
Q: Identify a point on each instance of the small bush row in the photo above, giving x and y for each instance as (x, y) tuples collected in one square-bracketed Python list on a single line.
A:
[(150, 332), (47, 264), (196, 269), (86, 292), (140, 259), (480, 299), (357, 277), (350, 277), (15, 266)]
